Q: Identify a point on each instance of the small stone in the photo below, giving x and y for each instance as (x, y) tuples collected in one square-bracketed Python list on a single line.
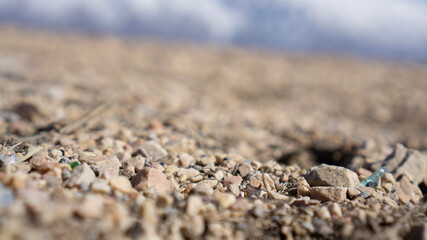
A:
[(132, 165), (186, 160), (254, 182), (153, 149), (302, 187), (258, 211), (410, 189), (39, 159), (237, 180), (387, 186), (256, 164), (109, 165), (245, 169), (101, 186), (149, 212), (197, 178), (187, 173), (414, 166), (335, 209), (206, 160), (326, 175), (388, 178), (92, 206), (323, 213), (219, 175), (225, 200), (364, 172), (151, 178), (353, 193), (336, 194), (194, 205), (81, 174), (194, 227), (234, 189), (210, 182), (17, 181), (203, 188), (121, 184)]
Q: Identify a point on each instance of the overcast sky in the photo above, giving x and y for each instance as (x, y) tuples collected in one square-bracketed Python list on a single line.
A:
[(394, 29)]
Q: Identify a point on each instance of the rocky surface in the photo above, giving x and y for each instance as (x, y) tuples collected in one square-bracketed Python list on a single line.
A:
[(114, 139)]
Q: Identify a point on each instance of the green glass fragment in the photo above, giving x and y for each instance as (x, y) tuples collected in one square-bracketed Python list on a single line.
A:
[(74, 164), (373, 180)]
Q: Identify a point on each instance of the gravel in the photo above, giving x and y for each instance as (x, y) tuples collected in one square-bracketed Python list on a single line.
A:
[(109, 139)]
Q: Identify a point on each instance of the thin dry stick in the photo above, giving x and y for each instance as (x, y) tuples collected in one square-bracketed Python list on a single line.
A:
[(86, 117), (31, 152), (12, 147)]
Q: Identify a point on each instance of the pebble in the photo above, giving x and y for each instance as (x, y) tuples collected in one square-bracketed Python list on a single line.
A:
[(326, 175), (91, 207), (194, 205), (187, 173), (225, 200), (151, 178), (121, 184), (255, 182), (234, 189), (335, 209), (186, 160), (203, 188), (149, 212), (245, 169), (353, 193), (412, 191), (236, 180), (336, 194), (81, 174), (219, 175), (101, 186), (153, 149), (323, 213), (303, 187)]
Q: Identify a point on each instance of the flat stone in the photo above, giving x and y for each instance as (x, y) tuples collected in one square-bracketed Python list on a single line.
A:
[(335, 194), (234, 189), (203, 188), (153, 149), (413, 191), (121, 184), (151, 178), (187, 173), (353, 193), (81, 174), (109, 165), (413, 166), (186, 160), (245, 169), (237, 180), (101, 186), (326, 175)]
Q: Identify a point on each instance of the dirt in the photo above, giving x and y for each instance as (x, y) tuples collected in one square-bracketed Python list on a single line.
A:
[(97, 100)]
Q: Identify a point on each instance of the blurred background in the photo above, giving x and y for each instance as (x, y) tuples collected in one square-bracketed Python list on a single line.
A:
[(385, 29), (268, 79)]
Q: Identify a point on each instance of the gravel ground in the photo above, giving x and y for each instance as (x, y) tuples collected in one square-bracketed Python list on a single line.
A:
[(105, 138)]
